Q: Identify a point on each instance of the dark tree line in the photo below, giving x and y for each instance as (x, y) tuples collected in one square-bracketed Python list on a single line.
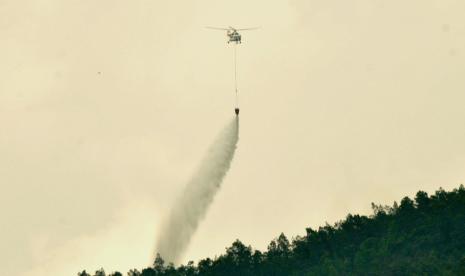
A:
[(420, 236)]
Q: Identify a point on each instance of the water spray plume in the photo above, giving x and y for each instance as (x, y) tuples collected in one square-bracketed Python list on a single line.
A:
[(191, 207)]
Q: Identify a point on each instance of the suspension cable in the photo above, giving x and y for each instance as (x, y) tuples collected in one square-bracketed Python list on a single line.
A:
[(235, 75)]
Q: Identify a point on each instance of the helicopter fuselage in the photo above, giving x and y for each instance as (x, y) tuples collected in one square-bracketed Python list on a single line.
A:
[(234, 36)]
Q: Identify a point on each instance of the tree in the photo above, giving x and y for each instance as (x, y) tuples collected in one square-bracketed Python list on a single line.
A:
[(158, 264), (279, 247), (149, 272), (187, 270), (205, 266), (100, 272), (422, 200), (239, 253), (134, 272), (406, 205)]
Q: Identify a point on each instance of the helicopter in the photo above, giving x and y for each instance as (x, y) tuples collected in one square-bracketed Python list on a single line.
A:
[(234, 37), (232, 33)]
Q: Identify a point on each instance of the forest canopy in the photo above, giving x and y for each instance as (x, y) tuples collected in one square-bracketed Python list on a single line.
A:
[(420, 236)]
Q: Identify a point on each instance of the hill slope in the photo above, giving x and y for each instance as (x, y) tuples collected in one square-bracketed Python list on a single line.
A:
[(423, 236)]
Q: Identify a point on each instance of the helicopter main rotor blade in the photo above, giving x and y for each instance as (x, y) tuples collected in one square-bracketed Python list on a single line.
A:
[(215, 28), (248, 29)]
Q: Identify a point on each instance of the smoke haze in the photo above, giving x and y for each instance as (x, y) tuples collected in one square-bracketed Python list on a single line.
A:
[(192, 205)]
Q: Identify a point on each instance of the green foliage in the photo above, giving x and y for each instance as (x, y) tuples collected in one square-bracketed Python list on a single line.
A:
[(424, 236), (83, 273), (100, 272), (134, 272)]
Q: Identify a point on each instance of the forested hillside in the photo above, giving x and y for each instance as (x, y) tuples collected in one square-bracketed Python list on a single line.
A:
[(420, 236)]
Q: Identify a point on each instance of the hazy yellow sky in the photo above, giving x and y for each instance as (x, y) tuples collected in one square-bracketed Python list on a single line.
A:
[(107, 106)]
